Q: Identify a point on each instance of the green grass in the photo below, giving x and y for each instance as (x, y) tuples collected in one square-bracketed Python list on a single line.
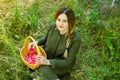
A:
[(97, 22)]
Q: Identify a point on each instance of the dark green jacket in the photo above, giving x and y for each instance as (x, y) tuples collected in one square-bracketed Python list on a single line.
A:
[(55, 45)]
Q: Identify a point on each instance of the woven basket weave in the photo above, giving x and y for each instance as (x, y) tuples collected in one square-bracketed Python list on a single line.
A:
[(24, 51)]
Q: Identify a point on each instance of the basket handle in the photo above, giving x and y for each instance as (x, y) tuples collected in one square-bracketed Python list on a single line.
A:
[(27, 41)]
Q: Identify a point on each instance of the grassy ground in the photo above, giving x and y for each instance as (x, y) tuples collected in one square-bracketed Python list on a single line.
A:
[(97, 21)]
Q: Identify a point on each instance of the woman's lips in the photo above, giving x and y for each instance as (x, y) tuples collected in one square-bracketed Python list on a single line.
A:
[(60, 26)]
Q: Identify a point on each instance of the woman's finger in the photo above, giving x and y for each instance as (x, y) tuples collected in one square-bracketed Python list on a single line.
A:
[(31, 45)]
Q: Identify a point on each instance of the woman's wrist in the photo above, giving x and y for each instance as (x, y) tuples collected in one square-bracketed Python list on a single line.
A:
[(48, 62), (36, 42)]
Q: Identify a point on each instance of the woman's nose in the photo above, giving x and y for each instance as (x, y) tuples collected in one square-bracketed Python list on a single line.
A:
[(61, 23)]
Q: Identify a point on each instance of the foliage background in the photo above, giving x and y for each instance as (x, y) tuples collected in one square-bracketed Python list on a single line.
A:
[(98, 22)]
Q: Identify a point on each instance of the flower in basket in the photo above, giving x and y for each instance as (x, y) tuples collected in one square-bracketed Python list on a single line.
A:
[(31, 56)]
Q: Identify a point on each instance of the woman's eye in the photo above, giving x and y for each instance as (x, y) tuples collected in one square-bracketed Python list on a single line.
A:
[(58, 19), (65, 21)]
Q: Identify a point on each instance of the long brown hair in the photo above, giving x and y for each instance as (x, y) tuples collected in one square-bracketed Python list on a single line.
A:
[(71, 22)]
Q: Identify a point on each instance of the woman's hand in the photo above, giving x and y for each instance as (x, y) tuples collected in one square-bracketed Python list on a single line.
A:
[(32, 44), (42, 60)]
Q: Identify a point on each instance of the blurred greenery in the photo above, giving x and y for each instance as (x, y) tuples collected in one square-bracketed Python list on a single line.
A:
[(97, 21)]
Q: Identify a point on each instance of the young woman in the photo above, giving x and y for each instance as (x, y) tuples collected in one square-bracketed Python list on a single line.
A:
[(61, 45)]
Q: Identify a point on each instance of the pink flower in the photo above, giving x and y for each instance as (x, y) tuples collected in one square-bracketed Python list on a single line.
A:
[(31, 56)]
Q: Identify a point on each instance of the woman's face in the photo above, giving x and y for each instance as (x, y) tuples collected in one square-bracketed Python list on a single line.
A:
[(62, 23)]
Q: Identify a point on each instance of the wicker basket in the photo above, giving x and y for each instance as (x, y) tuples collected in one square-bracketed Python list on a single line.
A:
[(24, 51)]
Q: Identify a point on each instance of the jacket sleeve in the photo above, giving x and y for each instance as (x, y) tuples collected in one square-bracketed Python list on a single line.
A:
[(42, 40), (62, 63)]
